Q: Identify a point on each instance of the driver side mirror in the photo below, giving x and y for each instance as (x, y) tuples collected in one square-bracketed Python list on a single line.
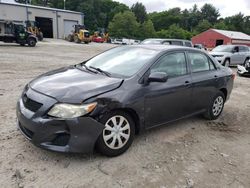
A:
[(158, 77)]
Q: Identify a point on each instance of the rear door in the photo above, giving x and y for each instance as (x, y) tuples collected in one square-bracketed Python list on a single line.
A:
[(205, 80), (170, 100)]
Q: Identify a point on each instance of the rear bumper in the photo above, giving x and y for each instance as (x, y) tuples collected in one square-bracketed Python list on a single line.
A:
[(77, 135)]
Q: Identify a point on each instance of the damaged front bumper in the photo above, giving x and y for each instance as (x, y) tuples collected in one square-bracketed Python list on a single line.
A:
[(77, 135)]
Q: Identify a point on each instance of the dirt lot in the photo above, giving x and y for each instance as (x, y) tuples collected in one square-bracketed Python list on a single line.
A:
[(188, 153)]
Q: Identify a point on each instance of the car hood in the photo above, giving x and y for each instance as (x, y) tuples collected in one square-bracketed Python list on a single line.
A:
[(219, 53), (71, 85)]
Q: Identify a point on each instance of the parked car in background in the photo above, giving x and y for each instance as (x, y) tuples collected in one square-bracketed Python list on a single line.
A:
[(125, 41), (106, 100), (98, 39), (200, 46), (231, 54), (177, 42)]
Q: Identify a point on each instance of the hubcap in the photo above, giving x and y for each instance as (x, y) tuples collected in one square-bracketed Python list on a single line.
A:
[(116, 132), (218, 105)]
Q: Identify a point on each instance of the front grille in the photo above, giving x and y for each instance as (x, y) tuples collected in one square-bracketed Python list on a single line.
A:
[(61, 139), (28, 133), (31, 104)]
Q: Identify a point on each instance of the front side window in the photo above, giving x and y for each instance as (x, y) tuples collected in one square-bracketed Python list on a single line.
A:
[(188, 44), (173, 64), (199, 62)]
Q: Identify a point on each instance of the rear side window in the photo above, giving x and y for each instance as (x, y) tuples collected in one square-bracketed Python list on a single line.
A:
[(188, 44), (177, 43), (173, 64), (199, 62)]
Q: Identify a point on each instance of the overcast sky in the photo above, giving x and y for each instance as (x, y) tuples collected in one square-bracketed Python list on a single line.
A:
[(226, 7)]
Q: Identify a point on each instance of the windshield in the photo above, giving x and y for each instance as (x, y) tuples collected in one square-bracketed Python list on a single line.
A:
[(122, 61), (223, 48)]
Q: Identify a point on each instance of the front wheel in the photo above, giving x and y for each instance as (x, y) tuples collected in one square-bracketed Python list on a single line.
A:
[(245, 62), (117, 135), (216, 107), (31, 42)]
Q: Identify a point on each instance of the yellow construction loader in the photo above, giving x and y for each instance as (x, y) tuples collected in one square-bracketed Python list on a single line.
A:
[(80, 34), (33, 27)]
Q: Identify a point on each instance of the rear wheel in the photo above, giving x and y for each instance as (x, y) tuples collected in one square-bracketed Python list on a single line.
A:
[(32, 42), (216, 107), (76, 39), (117, 135)]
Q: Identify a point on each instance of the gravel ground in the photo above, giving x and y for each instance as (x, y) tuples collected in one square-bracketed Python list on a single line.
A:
[(188, 153)]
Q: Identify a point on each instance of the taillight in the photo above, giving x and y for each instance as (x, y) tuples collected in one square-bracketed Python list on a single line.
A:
[(233, 76)]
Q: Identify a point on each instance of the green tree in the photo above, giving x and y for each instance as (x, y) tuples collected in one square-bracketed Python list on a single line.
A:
[(163, 20), (203, 26), (235, 22), (140, 12), (220, 25), (209, 13), (147, 30), (124, 25)]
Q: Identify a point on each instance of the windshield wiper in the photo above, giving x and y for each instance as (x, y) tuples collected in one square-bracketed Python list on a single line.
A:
[(100, 70), (86, 67)]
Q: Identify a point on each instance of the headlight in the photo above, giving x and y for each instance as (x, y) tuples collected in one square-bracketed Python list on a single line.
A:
[(70, 110)]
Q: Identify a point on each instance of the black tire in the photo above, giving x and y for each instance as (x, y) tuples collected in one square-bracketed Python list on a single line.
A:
[(70, 38), (104, 147), (245, 62), (210, 114), (86, 42), (22, 44), (32, 42), (76, 39)]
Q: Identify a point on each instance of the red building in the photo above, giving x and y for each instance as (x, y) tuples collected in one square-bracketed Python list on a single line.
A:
[(214, 37)]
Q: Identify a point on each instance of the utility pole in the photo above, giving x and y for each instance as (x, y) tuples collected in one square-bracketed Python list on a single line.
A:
[(64, 4)]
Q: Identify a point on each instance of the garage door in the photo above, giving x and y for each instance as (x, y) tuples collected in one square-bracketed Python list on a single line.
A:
[(68, 27)]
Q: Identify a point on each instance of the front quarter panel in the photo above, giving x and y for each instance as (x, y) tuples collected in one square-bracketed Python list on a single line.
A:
[(130, 96)]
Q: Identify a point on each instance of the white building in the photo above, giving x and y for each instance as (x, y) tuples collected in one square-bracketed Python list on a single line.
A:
[(54, 23)]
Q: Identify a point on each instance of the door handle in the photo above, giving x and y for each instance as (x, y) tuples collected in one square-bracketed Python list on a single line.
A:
[(187, 83), (215, 76)]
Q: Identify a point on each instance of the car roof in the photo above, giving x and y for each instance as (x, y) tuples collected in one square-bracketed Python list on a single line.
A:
[(162, 48), (233, 45), (161, 39)]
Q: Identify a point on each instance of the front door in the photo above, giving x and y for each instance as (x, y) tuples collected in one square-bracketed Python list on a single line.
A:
[(171, 100)]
